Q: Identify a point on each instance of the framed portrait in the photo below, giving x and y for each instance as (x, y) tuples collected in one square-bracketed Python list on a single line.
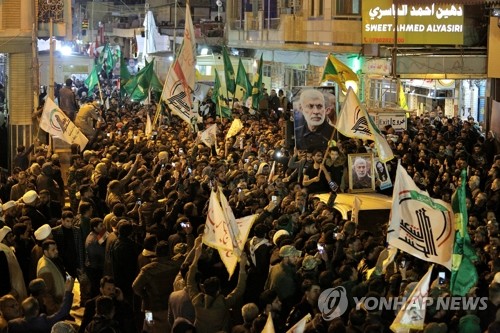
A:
[(382, 174), (313, 112), (361, 173)]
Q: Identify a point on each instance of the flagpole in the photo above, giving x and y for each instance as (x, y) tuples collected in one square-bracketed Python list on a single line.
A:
[(100, 91)]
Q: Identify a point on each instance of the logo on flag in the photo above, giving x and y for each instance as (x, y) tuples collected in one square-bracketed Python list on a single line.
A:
[(360, 123), (420, 225), (57, 124)]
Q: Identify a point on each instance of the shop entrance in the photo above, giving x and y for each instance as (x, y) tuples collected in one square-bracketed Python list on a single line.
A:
[(461, 98)]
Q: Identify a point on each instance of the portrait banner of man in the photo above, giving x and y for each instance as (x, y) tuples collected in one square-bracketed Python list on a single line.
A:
[(313, 116), (361, 173), (382, 174)]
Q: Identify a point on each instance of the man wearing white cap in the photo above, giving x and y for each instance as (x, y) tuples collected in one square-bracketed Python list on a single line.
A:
[(41, 234), (11, 278), (10, 213), (30, 200)]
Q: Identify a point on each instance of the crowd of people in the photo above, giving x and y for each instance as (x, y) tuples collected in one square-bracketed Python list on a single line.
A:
[(127, 220)]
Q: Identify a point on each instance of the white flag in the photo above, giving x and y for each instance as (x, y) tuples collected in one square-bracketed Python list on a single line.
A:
[(209, 136), (151, 35), (270, 179), (149, 127), (385, 258), (216, 232), (181, 76), (355, 209), (55, 122), (269, 327), (187, 55), (231, 223), (420, 225), (412, 314), (300, 327), (200, 91), (236, 126), (230, 258), (354, 122), (235, 233)]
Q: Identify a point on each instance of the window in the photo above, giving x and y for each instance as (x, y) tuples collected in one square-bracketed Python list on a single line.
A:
[(316, 8), (348, 7)]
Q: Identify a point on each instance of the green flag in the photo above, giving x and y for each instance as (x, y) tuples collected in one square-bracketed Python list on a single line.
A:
[(243, 81), (124, 76), (106, 58), (228, 72), (257, 86), (225, 111), (92, 80), (221, 105), (215, 91), (463, 272), (137, 88)]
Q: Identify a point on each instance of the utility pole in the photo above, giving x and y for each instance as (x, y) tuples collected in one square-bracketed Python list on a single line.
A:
[(175, 27), (51, 59), (146, 29)]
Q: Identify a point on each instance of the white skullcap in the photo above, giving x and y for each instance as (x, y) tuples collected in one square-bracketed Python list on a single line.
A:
[(4, 231), (9, 204), (278, 234), (30, 197), (43, 232)]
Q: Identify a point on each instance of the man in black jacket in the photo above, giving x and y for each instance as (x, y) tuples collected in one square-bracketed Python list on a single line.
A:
[(123, 314)]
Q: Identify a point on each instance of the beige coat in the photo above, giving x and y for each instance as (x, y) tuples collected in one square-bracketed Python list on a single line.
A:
[(53, 278)]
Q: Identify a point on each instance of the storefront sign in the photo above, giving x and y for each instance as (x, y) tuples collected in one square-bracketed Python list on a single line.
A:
[(377, 67), (396, 119), (416, 24)]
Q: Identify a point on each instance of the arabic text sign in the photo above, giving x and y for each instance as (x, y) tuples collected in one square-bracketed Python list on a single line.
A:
[(426, 24), (396, 119)]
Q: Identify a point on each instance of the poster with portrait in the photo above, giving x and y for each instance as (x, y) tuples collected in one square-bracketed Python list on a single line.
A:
[(361, 173), (313, 117), (382, 174)]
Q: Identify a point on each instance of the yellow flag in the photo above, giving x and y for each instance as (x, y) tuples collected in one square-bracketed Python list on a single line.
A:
[(402, 99)]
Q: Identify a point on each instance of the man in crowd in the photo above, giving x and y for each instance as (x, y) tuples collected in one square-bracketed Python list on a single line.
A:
[(51, 270), (123, 313), (67, 100), (154, 284)]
